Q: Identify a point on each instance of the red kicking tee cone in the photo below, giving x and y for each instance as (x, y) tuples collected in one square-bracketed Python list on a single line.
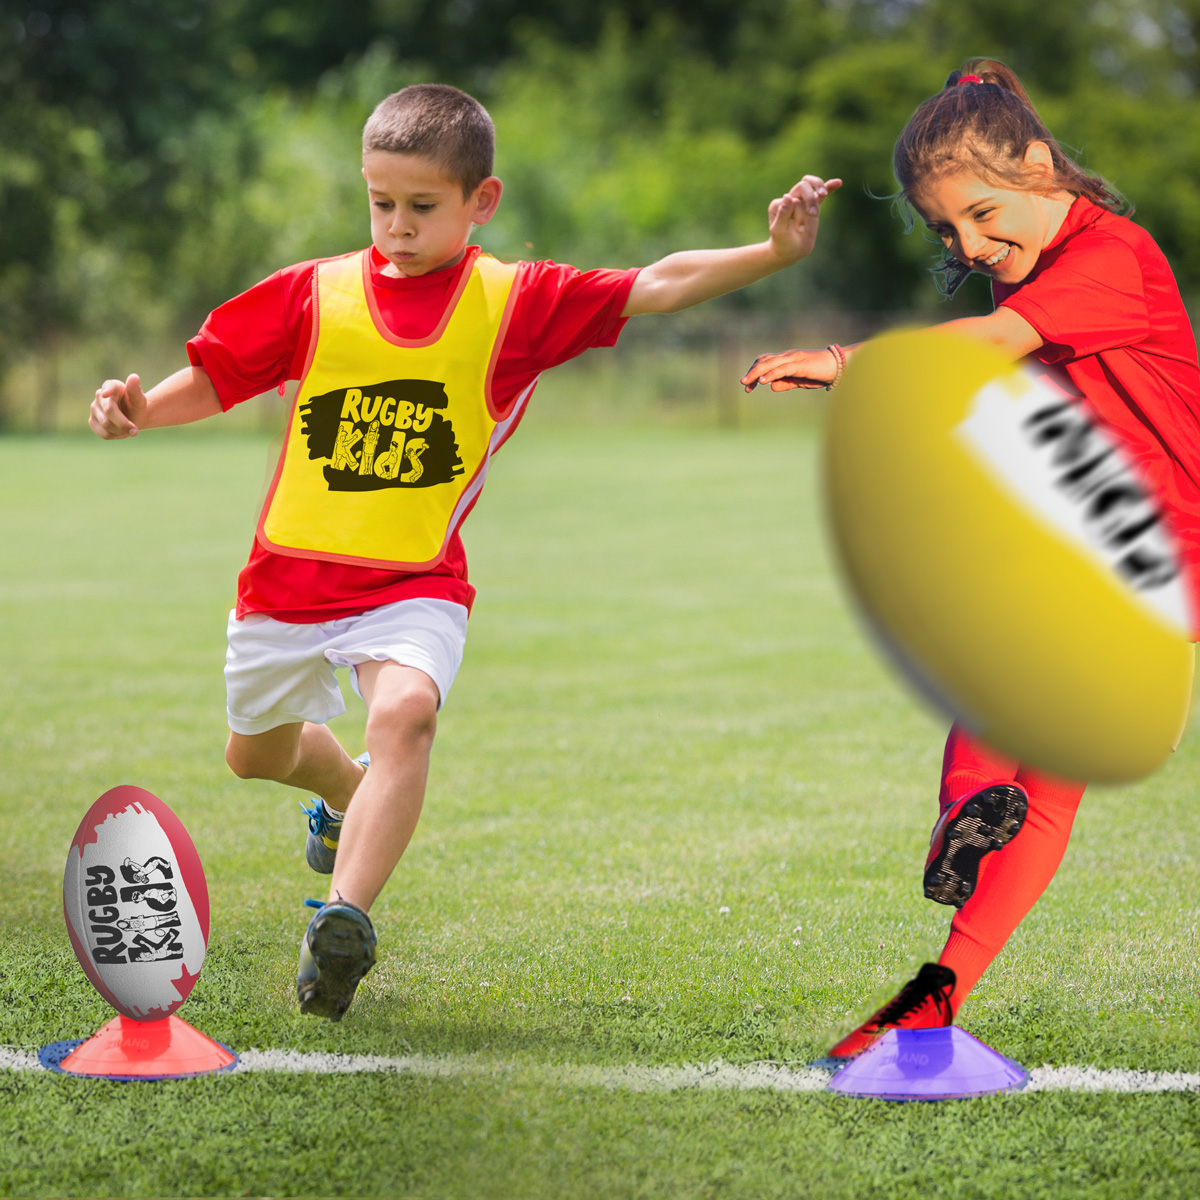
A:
[(126, 1049)]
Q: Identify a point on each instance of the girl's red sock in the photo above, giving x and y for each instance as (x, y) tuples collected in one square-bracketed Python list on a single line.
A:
[(1011, 879), (968, 765)]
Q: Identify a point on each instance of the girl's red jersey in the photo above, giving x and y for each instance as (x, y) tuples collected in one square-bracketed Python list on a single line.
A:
[(260, 339), (1104, 299)]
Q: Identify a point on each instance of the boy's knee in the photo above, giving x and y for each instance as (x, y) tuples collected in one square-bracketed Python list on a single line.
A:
[(239, 758), (409, 715)]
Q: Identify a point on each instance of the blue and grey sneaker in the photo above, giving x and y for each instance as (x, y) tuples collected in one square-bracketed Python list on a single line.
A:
[(324, 830), (337, 950)]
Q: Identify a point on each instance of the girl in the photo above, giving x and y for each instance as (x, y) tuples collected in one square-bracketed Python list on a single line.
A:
[(1081, 289)]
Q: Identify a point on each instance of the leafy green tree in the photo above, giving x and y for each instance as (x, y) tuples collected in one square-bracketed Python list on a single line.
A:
[(162, 154), (93, 95)]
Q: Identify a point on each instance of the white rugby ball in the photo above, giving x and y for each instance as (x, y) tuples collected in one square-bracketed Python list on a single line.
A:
[(136, 903)]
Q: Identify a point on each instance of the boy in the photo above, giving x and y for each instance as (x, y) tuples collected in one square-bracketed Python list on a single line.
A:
[(416, 358)]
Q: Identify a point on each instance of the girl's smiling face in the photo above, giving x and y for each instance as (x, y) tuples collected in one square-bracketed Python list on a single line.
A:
[(997, 231)]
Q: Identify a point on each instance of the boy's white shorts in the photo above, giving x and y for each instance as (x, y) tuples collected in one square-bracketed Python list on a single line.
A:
[(277, 673)]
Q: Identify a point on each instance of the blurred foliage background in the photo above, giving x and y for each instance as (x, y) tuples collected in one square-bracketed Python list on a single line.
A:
[(157, 156)]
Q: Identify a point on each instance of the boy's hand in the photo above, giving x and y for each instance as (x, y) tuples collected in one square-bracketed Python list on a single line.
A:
[(792, 369), (794, 217), (693, 276), (118, 409)]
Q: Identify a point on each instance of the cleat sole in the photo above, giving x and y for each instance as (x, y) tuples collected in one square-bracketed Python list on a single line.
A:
[(342, 950), (988, 822)]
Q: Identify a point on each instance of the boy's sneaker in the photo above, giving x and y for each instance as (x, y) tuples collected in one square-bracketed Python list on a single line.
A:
[(974, 826), (337, 950), (320, 850), (922, 1003)]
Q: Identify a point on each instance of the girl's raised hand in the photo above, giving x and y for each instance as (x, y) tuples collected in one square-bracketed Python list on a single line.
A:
[(792, 369), (794, 217)]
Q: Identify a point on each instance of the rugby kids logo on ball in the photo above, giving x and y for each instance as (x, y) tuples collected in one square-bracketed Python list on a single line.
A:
[(382, 435), (1039, 441), (138, 935), (136, 903)]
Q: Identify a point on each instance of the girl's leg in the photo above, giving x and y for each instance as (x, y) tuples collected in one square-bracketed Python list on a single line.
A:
[(968, 765), (981, 810), (402, 704), (1011, 879)]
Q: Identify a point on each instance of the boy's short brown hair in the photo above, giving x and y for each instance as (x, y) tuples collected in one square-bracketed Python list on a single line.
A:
[(440, 123)]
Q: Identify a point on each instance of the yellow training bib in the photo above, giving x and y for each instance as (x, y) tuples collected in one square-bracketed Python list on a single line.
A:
[(389, 439)]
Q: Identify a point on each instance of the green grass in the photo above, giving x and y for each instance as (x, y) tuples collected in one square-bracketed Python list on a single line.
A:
[(665, 710)]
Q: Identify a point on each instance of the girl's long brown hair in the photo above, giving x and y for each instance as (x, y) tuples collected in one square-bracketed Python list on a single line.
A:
[(985, 128)]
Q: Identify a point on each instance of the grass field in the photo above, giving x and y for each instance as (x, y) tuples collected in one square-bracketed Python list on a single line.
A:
[(677, 814)]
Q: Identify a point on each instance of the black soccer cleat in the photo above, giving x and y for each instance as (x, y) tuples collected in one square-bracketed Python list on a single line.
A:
[(974, 826), (337, 950)]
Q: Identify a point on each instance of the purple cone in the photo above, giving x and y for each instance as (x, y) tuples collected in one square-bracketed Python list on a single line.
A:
[(928, 1064)]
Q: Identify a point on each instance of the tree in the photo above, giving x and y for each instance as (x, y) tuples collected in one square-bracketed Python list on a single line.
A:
[(146, 145)]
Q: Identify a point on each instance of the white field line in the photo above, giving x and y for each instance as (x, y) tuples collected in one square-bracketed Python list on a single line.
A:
[(700, 1076)]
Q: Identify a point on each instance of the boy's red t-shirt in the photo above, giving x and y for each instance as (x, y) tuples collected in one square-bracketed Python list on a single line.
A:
[(1103, 297), (259, 340)]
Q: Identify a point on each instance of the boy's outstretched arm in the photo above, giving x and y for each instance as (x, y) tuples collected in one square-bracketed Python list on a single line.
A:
[(120, 409), (693, 276)]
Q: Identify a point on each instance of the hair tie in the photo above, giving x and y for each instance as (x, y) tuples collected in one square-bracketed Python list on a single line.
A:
[(968, 79)]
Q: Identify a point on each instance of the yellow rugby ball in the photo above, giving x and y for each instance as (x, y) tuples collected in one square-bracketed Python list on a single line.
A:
[(1008, 557)]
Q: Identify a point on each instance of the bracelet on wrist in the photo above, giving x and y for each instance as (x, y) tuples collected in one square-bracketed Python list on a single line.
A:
[(839, 357)]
